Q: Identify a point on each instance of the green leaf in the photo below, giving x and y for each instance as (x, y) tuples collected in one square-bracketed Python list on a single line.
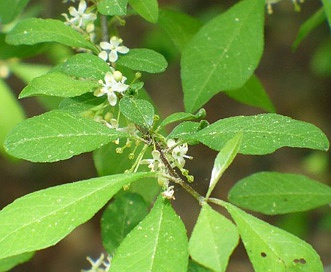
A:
[(9, 10), (184, 131), (120, 217), (83, 65), (195, 267), (8, 263), (139, 111), (112, 7), (327, 10), (158, 243), (23, 51), (11, 112), (183, 116), (252, 94), (213, 239), (27, 71), (35, 30), (223, 160), (145, 60), (179, 26), (223, 54), (57, 135), (47, 216), (263, 134), (57, 84), (273, 249), (148, 9), (277, 193), (314, 21)]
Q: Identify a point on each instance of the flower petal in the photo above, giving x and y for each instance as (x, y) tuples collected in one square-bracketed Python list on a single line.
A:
[(103, 55), (113, 56), (122, 49), (105, 45), (112, 98)]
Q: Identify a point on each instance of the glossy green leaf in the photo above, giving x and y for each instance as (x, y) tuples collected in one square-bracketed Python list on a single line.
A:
[(8, 263), (314, 21), (21, 51), (120, 217), (11, 113), (263, 134), (213, 240), (223, 160), (183, 116), (57, 135), (35, 30), (252, 94), (184, 130), (9, 10), (145, 60), (277, 193), (139, 111), (272, 249), (327, 10), (112, 7), (57, 84), (148, 9), (158, 243), (179, 26), (83, 65), (223, 54), (41, 219)]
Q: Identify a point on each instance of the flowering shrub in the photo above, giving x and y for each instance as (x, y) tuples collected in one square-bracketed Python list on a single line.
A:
[(105, 109)]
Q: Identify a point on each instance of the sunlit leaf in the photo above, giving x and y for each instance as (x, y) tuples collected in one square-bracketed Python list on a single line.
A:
[(270, 248), (277, 193), (145, 60), (35, 30), (47, 216), (223, 54), (158, 243), (327, 10), (57, 84), (213, 239), (263, 134), (83, 65), (57, 135)]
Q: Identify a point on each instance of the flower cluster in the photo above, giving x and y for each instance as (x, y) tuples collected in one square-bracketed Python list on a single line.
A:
[(100, 265), (114, 82), (175, 154), (81, 20)]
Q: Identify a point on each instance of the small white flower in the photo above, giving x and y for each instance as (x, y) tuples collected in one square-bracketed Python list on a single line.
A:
[(100, 265), (112, 48), (178, 152), (79, 17), (169, 193), (113, 82)]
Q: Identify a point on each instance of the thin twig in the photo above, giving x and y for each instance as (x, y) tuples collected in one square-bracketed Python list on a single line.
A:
[(104, 28)]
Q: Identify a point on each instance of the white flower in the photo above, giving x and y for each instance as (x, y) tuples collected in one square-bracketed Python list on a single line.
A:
[(100, 265), (169, 193), (113, 82), (178, 152), (79, 17), (112, 48)]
